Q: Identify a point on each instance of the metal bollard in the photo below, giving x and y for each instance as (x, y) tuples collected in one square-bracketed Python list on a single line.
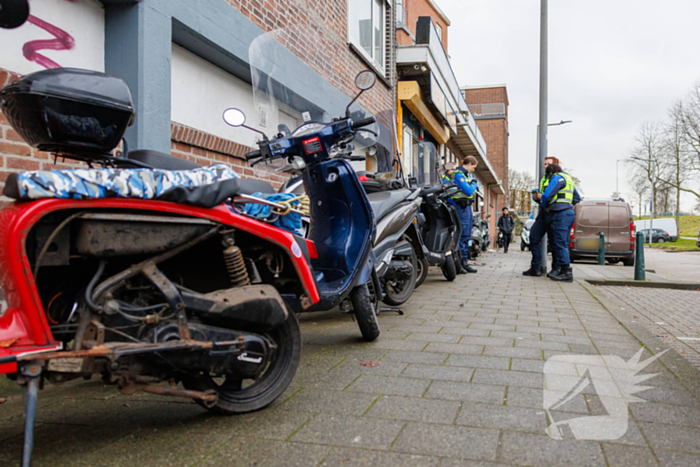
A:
[(601, 249), (639, 274)]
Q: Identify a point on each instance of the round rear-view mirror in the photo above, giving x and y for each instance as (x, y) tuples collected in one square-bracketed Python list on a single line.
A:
[(365, 80), (234, 117), (13, 13)]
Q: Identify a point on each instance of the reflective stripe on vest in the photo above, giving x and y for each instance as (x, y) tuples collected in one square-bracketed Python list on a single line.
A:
[(461, 194), (566, 194)]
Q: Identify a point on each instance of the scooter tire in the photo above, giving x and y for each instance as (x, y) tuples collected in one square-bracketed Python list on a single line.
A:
[(365, 312), (238, 400), (392, 299), (449, 269), (423, 266)]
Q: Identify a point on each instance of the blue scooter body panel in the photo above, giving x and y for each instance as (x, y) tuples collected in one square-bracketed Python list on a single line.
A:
[(342, 228)]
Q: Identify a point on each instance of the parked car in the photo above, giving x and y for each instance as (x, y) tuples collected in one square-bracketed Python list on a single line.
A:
[(611, 217), (667, 223), (658, 236), (698, 241)]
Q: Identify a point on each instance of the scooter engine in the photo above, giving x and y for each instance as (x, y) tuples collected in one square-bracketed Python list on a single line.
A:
[(237, 354)]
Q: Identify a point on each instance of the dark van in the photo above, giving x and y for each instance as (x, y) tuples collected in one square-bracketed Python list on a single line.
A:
[(614, 219)]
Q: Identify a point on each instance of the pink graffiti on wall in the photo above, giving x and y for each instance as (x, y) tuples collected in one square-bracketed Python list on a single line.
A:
[(62, 41)]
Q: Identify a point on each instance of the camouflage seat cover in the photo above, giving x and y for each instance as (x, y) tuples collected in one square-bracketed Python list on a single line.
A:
[(205, 186)]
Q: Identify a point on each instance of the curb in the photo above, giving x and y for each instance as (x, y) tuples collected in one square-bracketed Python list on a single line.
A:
[(686, 374), (645, 284)]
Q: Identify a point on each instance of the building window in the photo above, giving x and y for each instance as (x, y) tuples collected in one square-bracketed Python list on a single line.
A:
[(366, 29), (439, 31)]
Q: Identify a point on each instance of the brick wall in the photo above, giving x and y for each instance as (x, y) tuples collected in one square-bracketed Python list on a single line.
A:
[(494, 130), (414, 10), (339, 67)]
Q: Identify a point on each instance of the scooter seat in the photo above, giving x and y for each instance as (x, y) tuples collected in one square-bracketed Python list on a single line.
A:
[(160, 160), (384, 201), (163, 161)]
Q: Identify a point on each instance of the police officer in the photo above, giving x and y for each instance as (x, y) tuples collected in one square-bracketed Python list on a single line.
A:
[(557, 195), (558, 199), (463, 177), (446, 176)]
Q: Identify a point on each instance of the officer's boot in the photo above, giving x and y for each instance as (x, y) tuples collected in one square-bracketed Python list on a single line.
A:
[(565, 274), (465, 265), (533, 271), (554, 271)]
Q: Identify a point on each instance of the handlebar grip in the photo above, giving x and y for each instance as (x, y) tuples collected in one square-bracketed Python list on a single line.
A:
[(357, 158), (253, 155), (363, 122)]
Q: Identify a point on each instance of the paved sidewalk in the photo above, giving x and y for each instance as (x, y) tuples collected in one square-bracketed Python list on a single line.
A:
[(459, 382), (672, 315)]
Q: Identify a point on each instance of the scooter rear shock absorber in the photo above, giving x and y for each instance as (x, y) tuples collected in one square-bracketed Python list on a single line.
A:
[(235, 264)]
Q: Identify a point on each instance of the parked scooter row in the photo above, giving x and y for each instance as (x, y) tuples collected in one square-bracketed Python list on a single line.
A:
[(145, 274)]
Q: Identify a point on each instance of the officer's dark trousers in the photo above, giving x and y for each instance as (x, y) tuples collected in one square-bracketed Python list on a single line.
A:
[(466, 218), (560, 224), (537, 232)]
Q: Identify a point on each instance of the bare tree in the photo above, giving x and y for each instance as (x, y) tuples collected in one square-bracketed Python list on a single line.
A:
[(691, 127), (675, 156), (640, 188), (646, 156)]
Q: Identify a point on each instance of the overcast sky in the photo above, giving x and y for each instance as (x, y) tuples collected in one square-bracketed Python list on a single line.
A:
[(612, 65)]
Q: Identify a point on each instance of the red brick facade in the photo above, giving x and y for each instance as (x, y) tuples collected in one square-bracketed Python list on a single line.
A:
[(339, 68), (414, 10), (495, 129)]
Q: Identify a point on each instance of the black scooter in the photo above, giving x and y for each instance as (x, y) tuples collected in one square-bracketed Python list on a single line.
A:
[(439, 228)]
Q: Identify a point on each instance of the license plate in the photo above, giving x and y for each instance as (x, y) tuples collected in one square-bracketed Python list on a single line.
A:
[(589, 244)]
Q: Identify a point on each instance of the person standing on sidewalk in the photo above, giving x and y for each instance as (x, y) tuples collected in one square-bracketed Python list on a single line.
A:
[(541, 226), (506, 224), (559, 200), (463, 177)]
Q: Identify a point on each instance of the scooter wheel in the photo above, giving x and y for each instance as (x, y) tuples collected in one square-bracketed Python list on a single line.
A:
[(396, 293), (365, 312), (235, 397), (522, 245), (423, 266), (449, 269)]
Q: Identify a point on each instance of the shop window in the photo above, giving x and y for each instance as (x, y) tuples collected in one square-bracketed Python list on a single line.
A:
[(367, 29)]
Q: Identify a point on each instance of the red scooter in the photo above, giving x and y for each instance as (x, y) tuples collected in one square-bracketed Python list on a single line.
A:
[(180, 288)]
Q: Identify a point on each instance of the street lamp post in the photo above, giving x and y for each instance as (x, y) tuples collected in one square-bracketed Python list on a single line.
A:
[(542, 127), (617, 178)]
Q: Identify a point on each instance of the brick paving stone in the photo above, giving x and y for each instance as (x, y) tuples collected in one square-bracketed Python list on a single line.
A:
[(442, 373), (677, 459), (503, 417), (415, 409), (448, 390), (407, 356), (622, 456), (527, 449), (341, 430), (448, 441), (344, 457), (398, 386), (496, 363), (668, 313)]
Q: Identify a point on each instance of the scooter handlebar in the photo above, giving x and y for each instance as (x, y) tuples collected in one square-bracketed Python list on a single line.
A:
[(363, 122)]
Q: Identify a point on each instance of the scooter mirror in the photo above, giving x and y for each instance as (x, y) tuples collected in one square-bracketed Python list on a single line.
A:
[(365, 80), (13, 13), (234, 117)]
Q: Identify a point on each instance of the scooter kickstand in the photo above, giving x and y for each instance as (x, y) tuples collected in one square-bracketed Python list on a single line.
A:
[(386, 309), (32, 375)]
